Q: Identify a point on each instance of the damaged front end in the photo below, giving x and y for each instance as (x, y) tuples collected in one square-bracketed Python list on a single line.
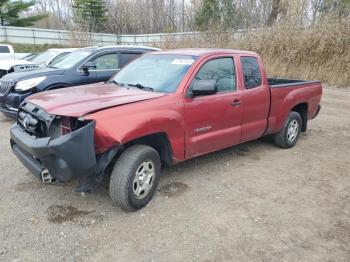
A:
[(57, 148)]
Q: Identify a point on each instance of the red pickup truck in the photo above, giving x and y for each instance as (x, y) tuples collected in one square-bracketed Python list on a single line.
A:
[(161, 109)]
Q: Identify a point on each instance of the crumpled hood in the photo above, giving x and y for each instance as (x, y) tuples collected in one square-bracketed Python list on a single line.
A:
[(7, 64), (81, 100)]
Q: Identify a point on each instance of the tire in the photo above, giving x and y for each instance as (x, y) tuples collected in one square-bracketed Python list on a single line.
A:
[(131, 174), (285, 139)]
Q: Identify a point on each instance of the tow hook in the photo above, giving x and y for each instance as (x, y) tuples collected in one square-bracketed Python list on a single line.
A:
[(46, 177)]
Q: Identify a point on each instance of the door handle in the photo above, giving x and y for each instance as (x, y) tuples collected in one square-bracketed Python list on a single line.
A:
[(236, 103)]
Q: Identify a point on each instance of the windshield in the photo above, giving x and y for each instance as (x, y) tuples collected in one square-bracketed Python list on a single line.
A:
[(43, 57), (30, 57), (160, 73), (71, 59)]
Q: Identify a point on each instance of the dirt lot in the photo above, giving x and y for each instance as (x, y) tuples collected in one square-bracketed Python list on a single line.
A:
[(254, 202)]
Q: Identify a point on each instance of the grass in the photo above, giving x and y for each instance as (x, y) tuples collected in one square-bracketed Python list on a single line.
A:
[(30, 48), (320, 52)]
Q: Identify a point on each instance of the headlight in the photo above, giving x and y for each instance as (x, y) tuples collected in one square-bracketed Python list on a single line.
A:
[(28, 84)]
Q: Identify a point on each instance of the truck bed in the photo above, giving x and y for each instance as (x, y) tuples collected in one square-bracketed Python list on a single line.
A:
[(281, 82)]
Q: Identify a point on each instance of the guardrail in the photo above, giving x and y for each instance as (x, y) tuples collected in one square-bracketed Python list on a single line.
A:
[(27, 35)]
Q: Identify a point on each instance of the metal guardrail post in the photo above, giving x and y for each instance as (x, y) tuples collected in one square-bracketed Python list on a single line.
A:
[(5, 32), (33, 36)]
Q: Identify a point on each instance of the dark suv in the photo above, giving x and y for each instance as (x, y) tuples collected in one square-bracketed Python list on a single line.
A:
[(84, 66)]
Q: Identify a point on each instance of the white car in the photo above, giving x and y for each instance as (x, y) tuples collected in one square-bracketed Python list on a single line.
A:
[(47, 58)]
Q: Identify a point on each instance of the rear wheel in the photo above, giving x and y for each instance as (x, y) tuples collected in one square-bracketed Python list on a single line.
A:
[(135, 177), (290, 132)]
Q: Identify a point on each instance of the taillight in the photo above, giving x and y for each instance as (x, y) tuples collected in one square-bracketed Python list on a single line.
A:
[(65, 126)]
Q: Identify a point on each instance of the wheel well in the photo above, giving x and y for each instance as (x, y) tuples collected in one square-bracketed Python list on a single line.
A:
[(158, 141), (302, 110)]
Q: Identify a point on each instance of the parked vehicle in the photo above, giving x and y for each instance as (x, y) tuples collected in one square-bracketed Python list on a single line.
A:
[(47, 58), (8, 53), (84, 66), (161, 109)]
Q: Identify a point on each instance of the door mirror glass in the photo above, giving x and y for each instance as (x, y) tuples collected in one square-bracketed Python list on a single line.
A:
[(89, 65), (204, 87)]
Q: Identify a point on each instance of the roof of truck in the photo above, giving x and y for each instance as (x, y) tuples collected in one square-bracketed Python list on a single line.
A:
[(202, 51)]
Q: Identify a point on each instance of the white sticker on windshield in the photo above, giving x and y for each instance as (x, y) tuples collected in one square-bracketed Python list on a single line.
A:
[(182, 62)]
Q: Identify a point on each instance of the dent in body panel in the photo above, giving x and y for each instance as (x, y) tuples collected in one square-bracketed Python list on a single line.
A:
[(120, 125)]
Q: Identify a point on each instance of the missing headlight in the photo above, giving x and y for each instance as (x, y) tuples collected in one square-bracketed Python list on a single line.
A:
[(63, 125)]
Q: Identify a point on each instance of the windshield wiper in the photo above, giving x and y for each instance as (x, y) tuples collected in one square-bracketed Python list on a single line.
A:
[(117, 83), (139, 86)]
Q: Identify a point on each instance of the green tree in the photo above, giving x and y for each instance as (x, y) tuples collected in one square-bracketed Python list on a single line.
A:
[(217, 13), (10, 13), (90, 13), (208, 14)]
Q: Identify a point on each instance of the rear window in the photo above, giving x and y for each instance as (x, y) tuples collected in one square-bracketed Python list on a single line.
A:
[(4, 49), (251, 72)]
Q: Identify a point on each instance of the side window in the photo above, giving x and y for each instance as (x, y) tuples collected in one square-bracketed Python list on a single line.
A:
[(222, 71), (251, 72), (125, 58), (107, 62)]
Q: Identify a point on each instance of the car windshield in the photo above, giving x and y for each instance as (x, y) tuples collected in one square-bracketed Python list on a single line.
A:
[(43, 57), (71, 59), (160, 73), (30, 57)]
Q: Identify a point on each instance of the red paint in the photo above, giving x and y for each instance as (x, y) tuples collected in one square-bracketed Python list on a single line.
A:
[(262, 111)]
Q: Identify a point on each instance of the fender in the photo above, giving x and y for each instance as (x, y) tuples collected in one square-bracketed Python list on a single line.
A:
[(281, 107), (121, 126)]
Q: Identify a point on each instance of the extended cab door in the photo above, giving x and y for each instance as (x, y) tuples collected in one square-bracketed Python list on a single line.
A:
[(256, 98), (213, 121)]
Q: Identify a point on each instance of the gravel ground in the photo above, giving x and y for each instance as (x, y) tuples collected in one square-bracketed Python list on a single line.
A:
[(253, 202)]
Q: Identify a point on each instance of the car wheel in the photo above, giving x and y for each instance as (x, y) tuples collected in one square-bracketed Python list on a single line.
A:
[(135, 177), (290, 132)]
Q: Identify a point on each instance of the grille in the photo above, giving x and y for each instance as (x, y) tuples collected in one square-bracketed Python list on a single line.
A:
[(5, 86)]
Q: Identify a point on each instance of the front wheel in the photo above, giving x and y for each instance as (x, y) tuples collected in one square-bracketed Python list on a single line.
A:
[(290, 132), (135, 177)]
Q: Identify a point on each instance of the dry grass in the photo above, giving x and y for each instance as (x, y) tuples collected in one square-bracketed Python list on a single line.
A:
[(320, 52), (31, 48)]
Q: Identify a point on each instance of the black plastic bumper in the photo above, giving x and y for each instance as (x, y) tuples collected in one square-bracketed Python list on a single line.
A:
[(10, 102), (66, 158), (8, 112)]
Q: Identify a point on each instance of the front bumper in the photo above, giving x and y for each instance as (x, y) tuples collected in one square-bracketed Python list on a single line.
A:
[(10, 102), (66, 158)]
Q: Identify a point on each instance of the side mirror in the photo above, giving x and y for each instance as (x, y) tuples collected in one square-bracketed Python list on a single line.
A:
[(88, 66), (204, 87)]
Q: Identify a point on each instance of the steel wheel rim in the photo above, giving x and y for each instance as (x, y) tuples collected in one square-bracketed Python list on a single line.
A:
[(144, 179), (293, 129)]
